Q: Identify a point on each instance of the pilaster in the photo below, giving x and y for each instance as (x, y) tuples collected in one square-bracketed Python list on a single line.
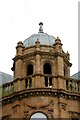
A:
[(37, 65)]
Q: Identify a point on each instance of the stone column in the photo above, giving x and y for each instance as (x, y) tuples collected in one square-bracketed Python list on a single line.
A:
[(18, 66), (59, 57), (18, 60), (59, 64), (37, 63), (37, 58)]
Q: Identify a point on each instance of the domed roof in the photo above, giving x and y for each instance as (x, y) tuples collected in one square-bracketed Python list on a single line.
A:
[(43, 38)]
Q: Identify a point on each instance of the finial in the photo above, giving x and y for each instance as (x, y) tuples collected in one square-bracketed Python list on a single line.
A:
[(58, 37), (41, 28)]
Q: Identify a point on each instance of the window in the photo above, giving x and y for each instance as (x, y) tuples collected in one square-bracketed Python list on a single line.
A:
[(47, 71), (46, 81), (29, 69), (64, 71), (50, 81), (71, 85), (38, 115), (47, 68), (28, 81), (67, 84)]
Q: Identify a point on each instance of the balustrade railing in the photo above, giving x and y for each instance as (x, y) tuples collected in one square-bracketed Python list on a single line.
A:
[(73, 85), (48, 81), (28, 81), (7, 89)]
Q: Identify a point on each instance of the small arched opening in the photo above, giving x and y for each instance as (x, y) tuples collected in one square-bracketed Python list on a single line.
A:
[(47, 68), (47, 72), (29, 69), (38, 115), (28, 81)]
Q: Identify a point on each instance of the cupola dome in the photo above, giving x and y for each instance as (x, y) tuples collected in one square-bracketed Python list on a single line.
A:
[(44, 38)]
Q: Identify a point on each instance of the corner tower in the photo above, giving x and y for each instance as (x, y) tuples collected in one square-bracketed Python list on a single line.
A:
[(39, 60), (42, 85)]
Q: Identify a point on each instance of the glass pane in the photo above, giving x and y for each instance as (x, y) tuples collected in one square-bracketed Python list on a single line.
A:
[(38, 116)]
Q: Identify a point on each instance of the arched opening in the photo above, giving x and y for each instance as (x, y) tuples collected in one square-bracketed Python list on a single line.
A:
[(28, 82), (29, 69), (47, 68), (38, 115), (64, 71), (47, 71)]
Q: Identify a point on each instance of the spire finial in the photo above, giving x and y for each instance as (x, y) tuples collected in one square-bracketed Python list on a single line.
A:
[(41, 28)]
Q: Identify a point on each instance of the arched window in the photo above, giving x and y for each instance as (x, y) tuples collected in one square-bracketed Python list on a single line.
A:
[(38, 115), (28, 82), (64, 71), (29, 69), (47, 68), (47, 71)]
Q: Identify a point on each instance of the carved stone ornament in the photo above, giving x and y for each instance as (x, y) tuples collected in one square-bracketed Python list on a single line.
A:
[(26, 114), (40, 106), (62, 106), (15, 108), (74, 114), (6, 117)]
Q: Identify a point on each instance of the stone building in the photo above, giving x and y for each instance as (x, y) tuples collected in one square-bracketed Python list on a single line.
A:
[(4, 77), (41, 86)]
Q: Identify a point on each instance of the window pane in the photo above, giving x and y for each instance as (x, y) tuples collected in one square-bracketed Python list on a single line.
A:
[(39, 116)]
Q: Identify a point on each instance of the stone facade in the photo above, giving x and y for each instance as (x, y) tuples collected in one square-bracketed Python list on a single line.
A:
[(41, 84)]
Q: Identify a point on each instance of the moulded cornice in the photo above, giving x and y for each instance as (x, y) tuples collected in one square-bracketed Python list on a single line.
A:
[(59, 93), (17, 57)]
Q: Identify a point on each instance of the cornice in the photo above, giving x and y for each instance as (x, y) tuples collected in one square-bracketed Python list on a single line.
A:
[(58, 93), (40, 46), (17, 57), (41, 53)]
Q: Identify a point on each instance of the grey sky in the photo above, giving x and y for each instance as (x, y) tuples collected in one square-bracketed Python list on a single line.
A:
[(20, 18)]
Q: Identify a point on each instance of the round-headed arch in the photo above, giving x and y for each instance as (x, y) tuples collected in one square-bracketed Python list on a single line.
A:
[(47, 68), (38, 115)]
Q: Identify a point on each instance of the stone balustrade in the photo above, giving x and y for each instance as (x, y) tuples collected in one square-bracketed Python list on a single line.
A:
[(73, 85), (7, 89), (28, 81), (48, 81)]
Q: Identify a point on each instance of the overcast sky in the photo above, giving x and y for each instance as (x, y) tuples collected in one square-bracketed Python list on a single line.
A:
[(20, 18)]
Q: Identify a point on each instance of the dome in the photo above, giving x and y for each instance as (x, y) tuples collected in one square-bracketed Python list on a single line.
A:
[(43, 38)]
